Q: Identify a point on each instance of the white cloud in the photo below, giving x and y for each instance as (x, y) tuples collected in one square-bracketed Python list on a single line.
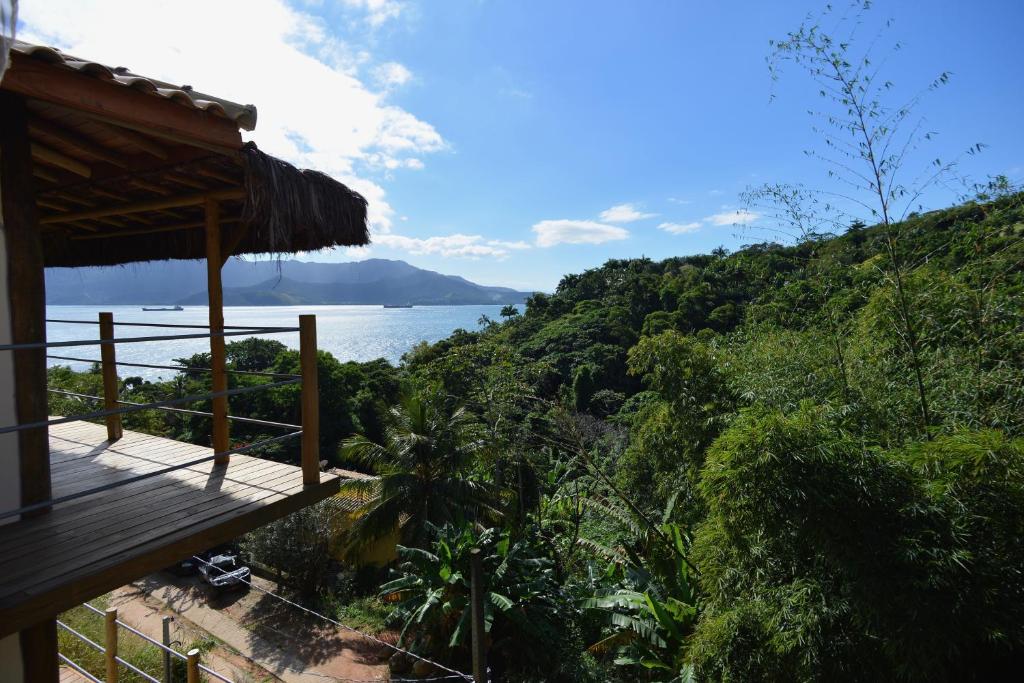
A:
[(377, 12), (519, 244), (738, 217), (359, 253), (313, 109), (455, 245), (677, 200), (680, 228), (624, 213), (550, 233), (392, 75)]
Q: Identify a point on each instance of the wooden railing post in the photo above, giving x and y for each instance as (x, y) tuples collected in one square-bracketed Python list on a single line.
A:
[(217, 353), (310, 401), (192, 666), (110, 646), (111, 388)]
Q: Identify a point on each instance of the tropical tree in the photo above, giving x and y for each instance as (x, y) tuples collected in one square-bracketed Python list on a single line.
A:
[(425, 472), (523, 604), (649, 604)]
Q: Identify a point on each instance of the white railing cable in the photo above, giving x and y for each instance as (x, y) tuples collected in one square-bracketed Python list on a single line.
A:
[(78, 668), (131, 667), (83, 638), (207, 670), (140, 634), (375, 639)]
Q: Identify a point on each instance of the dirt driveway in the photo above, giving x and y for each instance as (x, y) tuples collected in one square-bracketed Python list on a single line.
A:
[(258, 637)]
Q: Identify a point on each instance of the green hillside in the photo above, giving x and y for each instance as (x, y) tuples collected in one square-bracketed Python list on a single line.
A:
[(787, 463)]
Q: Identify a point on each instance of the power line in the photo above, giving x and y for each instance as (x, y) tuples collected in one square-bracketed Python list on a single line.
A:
[(459, 674)]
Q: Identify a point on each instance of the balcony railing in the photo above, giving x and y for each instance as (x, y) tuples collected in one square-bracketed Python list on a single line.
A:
[(114, 407), (195, 670)]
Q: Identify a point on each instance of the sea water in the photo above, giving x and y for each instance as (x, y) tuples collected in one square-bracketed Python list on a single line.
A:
[(359, 333)]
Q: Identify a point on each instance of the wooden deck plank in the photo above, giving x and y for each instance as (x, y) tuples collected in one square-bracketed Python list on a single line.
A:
[(96, 543), (132, 518), (135, 523)]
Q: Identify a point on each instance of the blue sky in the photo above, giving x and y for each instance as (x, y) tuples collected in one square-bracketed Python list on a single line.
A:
[(514, 142)]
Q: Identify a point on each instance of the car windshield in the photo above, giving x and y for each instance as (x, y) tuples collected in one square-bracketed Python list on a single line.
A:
[(223, 562)]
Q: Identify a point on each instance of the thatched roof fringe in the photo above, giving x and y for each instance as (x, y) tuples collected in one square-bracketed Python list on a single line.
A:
[(293, 210)]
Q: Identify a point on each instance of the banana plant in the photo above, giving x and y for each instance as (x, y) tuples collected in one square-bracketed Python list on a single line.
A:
[(651, 612), (432, 594)]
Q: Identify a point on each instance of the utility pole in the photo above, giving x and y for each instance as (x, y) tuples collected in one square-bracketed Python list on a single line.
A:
[(166, 621), (476, 599)]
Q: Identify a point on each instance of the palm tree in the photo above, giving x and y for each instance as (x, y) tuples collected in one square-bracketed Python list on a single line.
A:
[(424, 472)]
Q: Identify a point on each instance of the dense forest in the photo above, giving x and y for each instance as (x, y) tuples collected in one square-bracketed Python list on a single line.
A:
[(790, 462)]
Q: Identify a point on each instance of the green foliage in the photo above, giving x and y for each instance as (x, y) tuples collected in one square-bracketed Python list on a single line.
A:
[(822, 559), (424, 472), (298, 548), (523, 605), (766, 400)]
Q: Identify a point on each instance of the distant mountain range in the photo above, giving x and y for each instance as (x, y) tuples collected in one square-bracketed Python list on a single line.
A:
[(270, 283)]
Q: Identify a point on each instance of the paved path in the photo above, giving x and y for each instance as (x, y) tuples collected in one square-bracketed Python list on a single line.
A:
[(295, 649)]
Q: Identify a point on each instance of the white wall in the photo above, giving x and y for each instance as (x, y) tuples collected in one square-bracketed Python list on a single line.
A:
[(10, 660)]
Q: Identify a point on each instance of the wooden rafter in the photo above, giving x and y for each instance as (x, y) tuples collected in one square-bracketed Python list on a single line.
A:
[(38, 126), (60, 160), (114, 234), (140, 207), (43, 174)]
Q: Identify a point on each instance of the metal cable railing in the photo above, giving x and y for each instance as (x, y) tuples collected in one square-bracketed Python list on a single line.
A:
[(175, 368), (193, 398), (131, 340), (184, 411), (176, 325), (77, 668), (188, 659), (114, 407)]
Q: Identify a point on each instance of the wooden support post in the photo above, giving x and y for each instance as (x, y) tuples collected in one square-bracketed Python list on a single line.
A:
[(26, 293), (39, 652), (476, 599), (192, 666), (110, 644), (111, 387), (310, 401), (217, 355)]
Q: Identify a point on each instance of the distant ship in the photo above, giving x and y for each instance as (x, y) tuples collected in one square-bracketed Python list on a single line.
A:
[(167, 308), (397, 305)]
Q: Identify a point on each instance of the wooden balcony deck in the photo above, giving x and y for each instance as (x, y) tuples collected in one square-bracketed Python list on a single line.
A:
[(86, 547)]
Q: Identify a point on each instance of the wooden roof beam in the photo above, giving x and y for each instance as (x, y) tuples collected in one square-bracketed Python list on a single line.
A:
[(54, 158), (144, 143), (43, 174), (38, 126), (139, 207), (111, 234)]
